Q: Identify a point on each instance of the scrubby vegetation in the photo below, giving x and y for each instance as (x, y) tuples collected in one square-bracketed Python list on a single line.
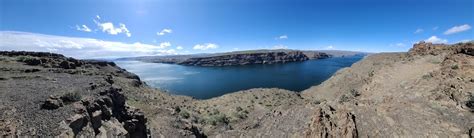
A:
[(455, 67), (184, 114), (71, 97), (29, 60), (215, 118)]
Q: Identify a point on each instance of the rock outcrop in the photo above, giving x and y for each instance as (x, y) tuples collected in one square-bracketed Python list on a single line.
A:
[(106, 115), (327, 122), (236, 58), (49, 94), (425, 92), (250, 58)]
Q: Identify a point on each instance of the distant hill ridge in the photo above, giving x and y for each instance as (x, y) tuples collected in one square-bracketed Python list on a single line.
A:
[(247, 57)]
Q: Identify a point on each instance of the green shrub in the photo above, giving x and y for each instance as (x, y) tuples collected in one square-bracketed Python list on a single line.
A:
[(71, 97), (240, 113), (371, 73), (426, 76), (455, 67), (22, 58), (345, 98), (238, 109), (217, 119), (184, 114), (29, 60)]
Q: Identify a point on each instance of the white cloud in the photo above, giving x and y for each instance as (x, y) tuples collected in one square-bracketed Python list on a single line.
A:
[(110, 28), (179, 47), (78, 47), (205, 46), (280, 47), (457, 29), (436, 40), (419, 30), (282, 37), (329, 47), (436, 28), (164, 44), (83, 28), (164, 31)]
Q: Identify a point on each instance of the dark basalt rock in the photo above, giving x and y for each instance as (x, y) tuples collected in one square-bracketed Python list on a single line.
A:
[(53, 102), (423, 48), (249, 58)]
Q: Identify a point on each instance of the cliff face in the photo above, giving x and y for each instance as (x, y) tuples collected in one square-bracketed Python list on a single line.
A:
[(236, 58), (48, 94), (250, 58)]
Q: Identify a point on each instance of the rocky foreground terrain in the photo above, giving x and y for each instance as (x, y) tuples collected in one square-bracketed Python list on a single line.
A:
[(236, 58), (426, 92)]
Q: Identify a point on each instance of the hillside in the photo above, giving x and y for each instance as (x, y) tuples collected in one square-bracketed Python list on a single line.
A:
[(425, 92), (236, 58)]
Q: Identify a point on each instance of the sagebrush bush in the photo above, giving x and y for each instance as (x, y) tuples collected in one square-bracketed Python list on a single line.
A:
[(455, 67), (29, 60), (184, 114), (217, 119), (71, 97)]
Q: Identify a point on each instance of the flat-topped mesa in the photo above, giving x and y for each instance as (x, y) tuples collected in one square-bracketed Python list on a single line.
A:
[(249, 58)]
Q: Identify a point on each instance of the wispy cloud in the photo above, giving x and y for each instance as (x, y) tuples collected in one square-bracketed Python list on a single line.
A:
[(111, 29), (329, 47), (282, 37), (164, 44), (457, 29), (83, 28), (280, 47), (436, 40), (164, 31), (205, 46), (436, 28), (179, 47), (419, 30), (78, 47)]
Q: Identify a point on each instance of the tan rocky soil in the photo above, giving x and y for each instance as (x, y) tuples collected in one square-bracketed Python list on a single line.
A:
[(423, 93)]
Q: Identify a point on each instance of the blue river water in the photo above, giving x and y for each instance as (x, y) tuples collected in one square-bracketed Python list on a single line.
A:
[(208, 82)]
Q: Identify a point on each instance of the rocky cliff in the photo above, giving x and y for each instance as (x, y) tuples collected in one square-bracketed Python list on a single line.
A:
[(48, 94), (251, 58), (236, 58), (426, 92)]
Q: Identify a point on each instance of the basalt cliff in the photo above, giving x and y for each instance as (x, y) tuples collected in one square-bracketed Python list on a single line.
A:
[(236, 58), (252, 58), (425, 92)]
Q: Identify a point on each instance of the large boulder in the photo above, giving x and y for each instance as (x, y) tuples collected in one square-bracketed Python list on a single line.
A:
[(53, 102)]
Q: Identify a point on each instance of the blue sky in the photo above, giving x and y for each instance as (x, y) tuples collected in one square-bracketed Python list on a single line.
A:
[(203, 26)]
